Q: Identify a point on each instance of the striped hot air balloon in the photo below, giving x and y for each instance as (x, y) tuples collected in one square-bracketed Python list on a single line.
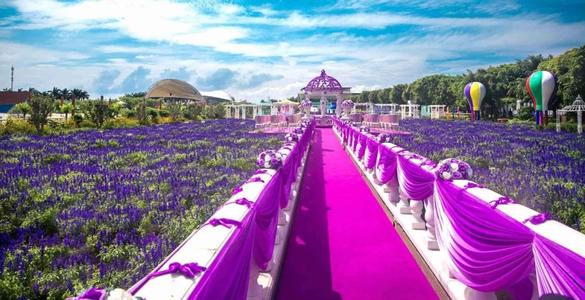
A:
[(541, 87), (474, 92)]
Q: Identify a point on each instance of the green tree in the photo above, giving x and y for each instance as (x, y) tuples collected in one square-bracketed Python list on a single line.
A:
[(193, 111), (22, 108), (66, 108), (98, 111), (41, 107), (219, 110), (569, 68), (395, 94)]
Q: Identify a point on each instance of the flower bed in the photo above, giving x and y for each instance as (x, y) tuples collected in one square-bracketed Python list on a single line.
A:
[(540, 169), (103, 208)]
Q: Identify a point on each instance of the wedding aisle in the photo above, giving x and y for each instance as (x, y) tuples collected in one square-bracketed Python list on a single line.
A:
[(342, 245)]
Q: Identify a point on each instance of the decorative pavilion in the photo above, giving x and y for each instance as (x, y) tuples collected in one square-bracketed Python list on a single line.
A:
[(325, 88), (578, 107), (409, 110)]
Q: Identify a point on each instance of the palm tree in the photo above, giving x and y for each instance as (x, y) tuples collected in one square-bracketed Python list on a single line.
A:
[(66, 108), (79, 94), (56, 94)]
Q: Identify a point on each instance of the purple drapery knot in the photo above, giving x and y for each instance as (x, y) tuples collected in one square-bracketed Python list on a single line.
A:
[(227, 223), (93, 294), (427, 161), (501, 200), (188, 270), (255, 179), (237, 190), (261, 171), (538, 219), (244, 201), (471, 185), (415, 156)]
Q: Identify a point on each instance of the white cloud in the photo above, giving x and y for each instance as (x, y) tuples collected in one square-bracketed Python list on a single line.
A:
[(364, 61), (24, 54)]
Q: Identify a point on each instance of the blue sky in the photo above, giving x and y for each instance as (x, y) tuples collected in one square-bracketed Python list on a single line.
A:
[(259, 49)]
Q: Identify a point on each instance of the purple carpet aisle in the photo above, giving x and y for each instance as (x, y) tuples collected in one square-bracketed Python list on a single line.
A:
[(342, 244)]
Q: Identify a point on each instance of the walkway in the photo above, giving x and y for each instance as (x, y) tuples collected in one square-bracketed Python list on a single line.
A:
[(342, 244)]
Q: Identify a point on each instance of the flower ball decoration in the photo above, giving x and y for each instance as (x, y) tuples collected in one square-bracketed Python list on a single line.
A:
[(384, 138), (291, 137), (453, 169), (298, 130), (306, 103), (347, 104), (269, 159)]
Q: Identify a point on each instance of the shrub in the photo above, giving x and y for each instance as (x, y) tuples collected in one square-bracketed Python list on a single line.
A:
[(97, 111), (77, 118), (16, 126), (565, 126), (121, 122), (164, 113), (192, 111), (127, 113), (526, 113)]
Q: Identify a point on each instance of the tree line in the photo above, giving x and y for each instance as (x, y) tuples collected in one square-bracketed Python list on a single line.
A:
[(128, 110), (504, 84)]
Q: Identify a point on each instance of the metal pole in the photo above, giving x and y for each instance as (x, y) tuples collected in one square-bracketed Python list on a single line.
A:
[(558, 121), (12, 78)]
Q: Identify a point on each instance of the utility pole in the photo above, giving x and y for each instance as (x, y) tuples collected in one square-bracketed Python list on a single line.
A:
[(12, 78)]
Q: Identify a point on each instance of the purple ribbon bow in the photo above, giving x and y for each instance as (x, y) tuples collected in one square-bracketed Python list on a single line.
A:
[(538, 219), (93, 294), (188, 270), (244, 201), (471, 185), (237, 190), (227, 223), (501, 200), (255, 179)]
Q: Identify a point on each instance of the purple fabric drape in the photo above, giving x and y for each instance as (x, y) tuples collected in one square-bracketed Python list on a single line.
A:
[(558, 270), (371, 152), (362, 146), (489, 251), (266, 218), (355, 139), (415, 181), (231, 268), (387, 164)]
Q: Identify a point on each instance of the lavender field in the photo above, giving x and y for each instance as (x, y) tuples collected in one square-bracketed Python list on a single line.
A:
[(102, 208), (543, 170)]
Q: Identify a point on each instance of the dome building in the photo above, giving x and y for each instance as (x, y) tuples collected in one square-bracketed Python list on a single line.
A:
[(217, 97), (175, 90)]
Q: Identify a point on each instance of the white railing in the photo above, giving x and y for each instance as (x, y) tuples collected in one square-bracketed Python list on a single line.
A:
[(207, 242), (420, 229)]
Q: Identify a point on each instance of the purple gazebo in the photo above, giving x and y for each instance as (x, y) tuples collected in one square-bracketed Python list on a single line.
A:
[(323, 86)]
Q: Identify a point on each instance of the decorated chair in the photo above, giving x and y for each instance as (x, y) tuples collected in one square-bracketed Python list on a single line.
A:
[(278, 120), (262, 121), (294, 120)]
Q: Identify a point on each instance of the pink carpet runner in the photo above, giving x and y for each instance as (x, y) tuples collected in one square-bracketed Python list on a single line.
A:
[(342, 244)]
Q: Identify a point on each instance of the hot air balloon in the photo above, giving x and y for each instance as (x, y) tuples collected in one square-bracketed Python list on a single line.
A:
[(474, 92), (541, 87)]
